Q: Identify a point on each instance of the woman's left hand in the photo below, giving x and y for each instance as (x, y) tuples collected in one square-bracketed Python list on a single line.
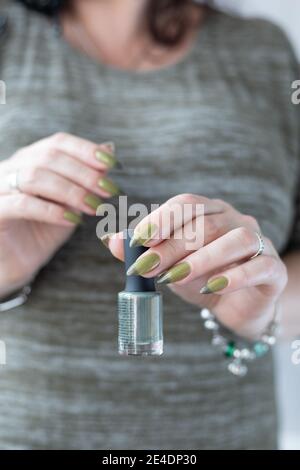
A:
[(204, 251)]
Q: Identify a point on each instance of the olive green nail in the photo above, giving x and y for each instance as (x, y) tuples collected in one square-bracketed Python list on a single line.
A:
[(144, 264), (143, 235), (105, 239), (109, 187), (108, 159), (93, 201), (215, 285), (72, 217), (175, 274)]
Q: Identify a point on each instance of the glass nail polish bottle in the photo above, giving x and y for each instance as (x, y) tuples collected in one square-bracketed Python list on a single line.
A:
[(140, 310)]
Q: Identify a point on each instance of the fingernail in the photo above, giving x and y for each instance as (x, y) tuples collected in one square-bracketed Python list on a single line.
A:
[(105, 239), (107, 158), (109, 187), (142, 236), (72, 217), (175, 274), (93, 201), (144, 265), (110, 146), (215, 285)]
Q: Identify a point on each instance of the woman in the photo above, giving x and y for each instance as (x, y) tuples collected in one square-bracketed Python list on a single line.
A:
[(198, 104)]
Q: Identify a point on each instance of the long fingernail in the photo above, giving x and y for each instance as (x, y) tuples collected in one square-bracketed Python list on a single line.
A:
[(215, 285), (175, 274), (144, 265), (143, 235), (109, 187), (73, 217), (106, 158), (105, 239), (93, 201)]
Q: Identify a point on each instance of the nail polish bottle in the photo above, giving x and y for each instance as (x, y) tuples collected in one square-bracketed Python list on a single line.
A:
[(140, 310)]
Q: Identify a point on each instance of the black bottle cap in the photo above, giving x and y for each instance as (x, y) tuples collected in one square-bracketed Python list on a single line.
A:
[(135, 283)]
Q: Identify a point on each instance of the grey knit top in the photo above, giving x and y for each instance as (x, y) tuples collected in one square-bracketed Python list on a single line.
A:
[(221, 124)]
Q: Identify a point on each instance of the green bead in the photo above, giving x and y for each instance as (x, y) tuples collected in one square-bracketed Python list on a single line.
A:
[(260, 349), (230, 348)]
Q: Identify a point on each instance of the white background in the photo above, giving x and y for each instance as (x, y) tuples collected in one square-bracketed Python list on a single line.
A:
[(286, 13)]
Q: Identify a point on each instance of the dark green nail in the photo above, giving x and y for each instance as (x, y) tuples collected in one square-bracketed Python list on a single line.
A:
[(215, 285), (109, 187), (72, 217), (144, 264), (143, 235), (93, 201), (106, 158), (175, 274)]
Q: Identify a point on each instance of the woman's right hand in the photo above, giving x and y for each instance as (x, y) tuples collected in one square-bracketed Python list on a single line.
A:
[(58, 179)]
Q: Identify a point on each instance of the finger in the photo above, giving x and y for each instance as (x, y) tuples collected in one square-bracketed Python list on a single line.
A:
[(115, 243), (194, 235), (95, 155), (175, 213), (24, 206), (51, 186), (233, 247), (264, 271)]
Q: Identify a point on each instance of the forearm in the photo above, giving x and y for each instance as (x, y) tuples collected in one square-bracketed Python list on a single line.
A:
[(291, 297)]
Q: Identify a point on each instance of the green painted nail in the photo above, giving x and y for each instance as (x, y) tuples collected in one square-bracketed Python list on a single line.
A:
[(144, 264), (93, 201), (175, 274), (107, 158), (143, 235), (215, 285), (105, 239), (109, 187), (72, 217)]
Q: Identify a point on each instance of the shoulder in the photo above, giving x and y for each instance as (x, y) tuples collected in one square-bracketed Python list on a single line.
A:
[(256, 41), (15, 18)]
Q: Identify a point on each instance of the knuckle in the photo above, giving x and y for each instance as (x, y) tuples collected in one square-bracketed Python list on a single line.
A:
[(58, 137), (53, 211), (245, 237), (244, 276), (250, 221), (75, 194), (89, 178), (48, 155), (172, 247), (211, 227), (189, 198), (222, 203), (30, 175), (271, 265)]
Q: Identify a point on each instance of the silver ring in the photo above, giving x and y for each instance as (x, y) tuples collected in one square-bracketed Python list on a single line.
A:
[(261, 245), (13, 182)]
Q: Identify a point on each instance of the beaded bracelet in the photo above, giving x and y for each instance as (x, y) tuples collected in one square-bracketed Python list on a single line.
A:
[(238, 351)]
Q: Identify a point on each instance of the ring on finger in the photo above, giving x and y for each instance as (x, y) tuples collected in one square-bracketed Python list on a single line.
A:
[(13, 182), (261, 245)]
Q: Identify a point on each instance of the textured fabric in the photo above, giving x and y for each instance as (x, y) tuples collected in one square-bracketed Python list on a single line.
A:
[(220, 123)]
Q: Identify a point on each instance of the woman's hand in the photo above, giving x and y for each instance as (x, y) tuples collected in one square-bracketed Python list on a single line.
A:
[(58, 178), (216, 269)]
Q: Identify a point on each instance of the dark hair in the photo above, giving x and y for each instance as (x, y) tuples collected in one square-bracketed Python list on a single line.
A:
[(167, 20)]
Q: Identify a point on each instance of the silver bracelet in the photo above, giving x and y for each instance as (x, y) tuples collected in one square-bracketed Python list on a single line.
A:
[(15, 300), (238, 350)]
